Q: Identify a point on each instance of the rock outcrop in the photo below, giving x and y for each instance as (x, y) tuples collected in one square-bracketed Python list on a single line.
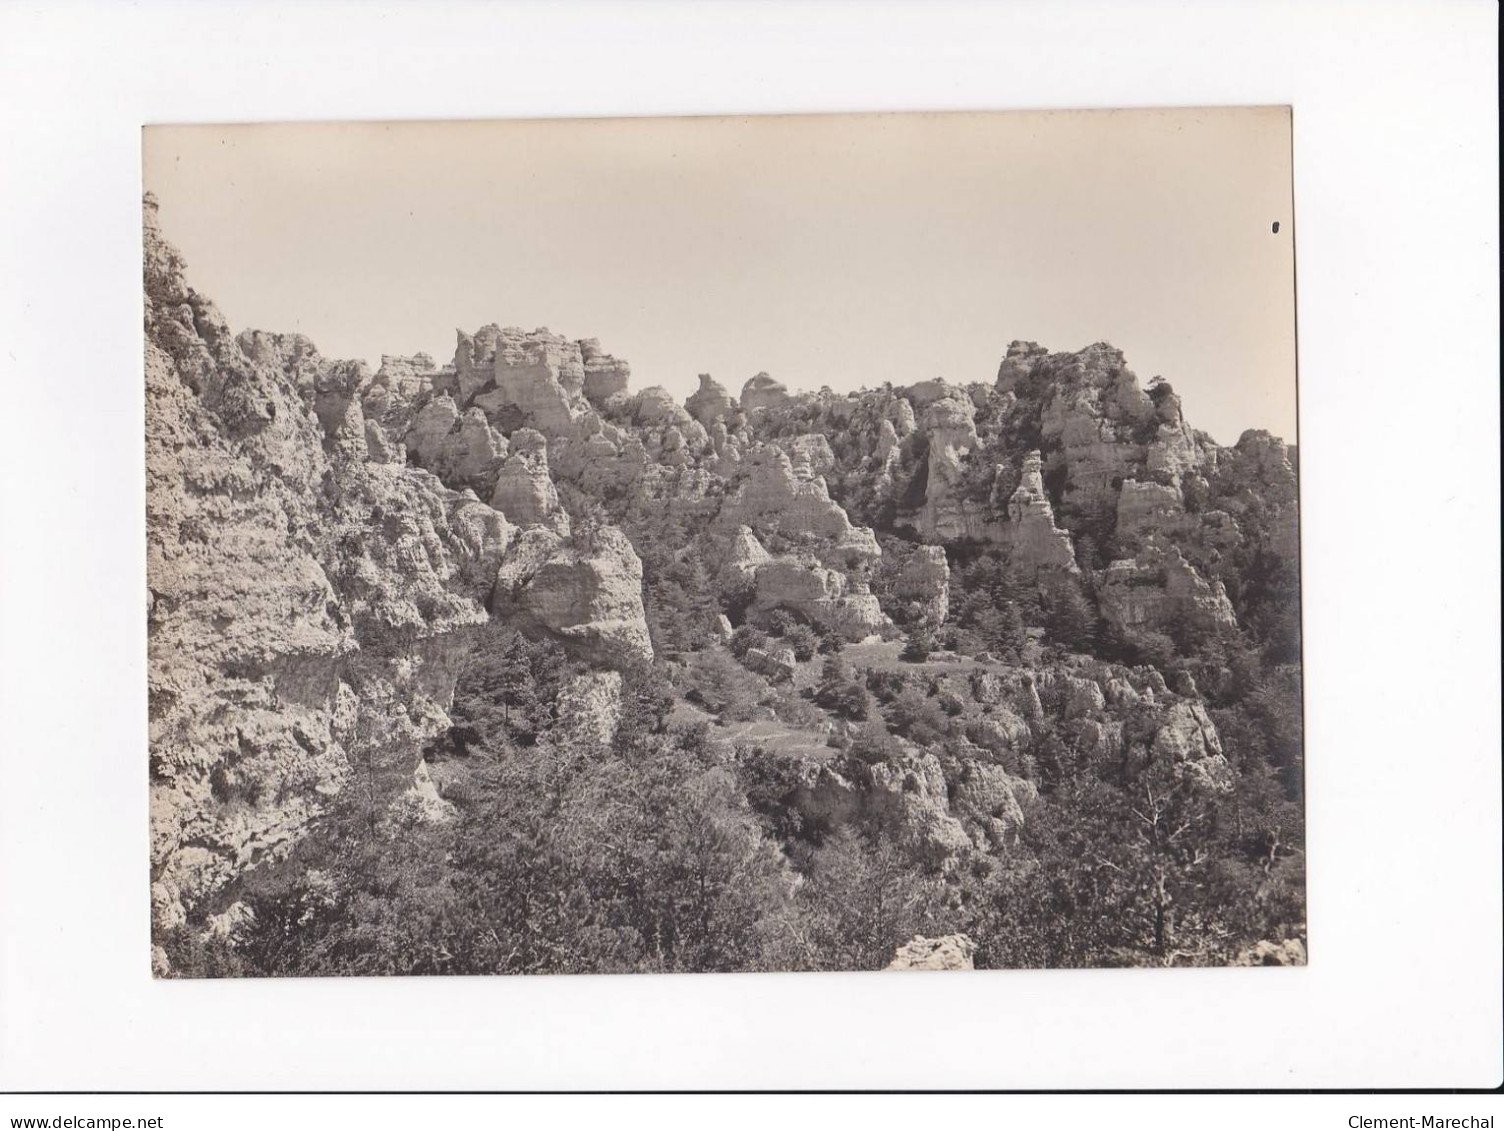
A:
[(710, 402), (605, 376), (655, 407), (1093, 414), (525, 490), (773, 500), (306, 604), (517, 378), (1036, 541), (800, 583), (905, 797), (949, 952), (762, 392), (1159, 589), (1148, 512), (584, 590), (949, 426), (460, 448)]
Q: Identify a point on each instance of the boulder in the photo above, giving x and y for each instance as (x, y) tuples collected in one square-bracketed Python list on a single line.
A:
[(407, 377), (1269, 952)]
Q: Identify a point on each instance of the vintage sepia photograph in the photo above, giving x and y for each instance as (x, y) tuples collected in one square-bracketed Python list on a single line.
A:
[(711, 544)]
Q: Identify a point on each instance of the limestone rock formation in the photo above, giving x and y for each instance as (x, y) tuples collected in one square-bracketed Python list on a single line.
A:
[(1159, 587), (1036, 541), (907, 798), (518, 378), (604, 376), (762, 392), (949, 425), (460, 448), (324, 541), (407, 377), (991, 799), (1268, 952), (1258, 478), (1095, 419), (584, 590), (1187, 740), (810, 456), (948, 952), (1147, 512), (710, 402), (773, 499), (744, 555), (307, 605), (655, 407), (800, 583), (885, 459), (1001, 731), (525, 491), (779, 665), (419, 804)]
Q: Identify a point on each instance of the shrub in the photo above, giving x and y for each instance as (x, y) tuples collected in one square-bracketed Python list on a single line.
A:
[(803, 640), (920, 644), (745, 638), (918, 717), (873, 745), (723, 687), (846, 698)]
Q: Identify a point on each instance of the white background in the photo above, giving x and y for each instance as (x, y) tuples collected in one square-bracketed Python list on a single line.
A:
[(1397, 250)]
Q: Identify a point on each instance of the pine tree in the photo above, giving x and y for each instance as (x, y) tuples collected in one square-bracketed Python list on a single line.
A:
[(1072, 620), (920, 644)]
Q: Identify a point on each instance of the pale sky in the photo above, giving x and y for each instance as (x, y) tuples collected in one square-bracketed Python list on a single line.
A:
[(827, 250)]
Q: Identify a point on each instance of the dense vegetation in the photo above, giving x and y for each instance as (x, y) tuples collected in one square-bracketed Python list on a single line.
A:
[(676, 847)]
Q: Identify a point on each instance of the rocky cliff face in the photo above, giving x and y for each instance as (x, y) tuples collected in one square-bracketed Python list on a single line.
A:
[(317, 549), (322, 540)]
